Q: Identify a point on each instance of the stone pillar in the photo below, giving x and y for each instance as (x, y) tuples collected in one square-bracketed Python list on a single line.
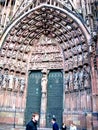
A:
[(43, 99)]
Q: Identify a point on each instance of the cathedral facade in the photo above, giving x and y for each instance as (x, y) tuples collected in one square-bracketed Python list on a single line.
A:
[(49, 62)]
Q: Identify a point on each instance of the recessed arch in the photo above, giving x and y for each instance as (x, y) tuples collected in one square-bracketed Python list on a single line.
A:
[(59, 10), (69, 36), (54, 22)]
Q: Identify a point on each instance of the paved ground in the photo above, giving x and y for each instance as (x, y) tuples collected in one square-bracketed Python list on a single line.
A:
[(11, 127)]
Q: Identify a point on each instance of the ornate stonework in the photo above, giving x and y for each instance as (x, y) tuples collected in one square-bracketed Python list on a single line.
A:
[(50, 35)]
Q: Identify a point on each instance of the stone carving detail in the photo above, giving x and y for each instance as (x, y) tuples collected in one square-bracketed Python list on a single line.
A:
[(5, 83), (66, 82), (84, 47), (79, 49), (80, 60), (76, 79), (45, 53), (66, 54), (81, 78), (71, 85), (14, 54), (22, 84), (16, 83), (74, 50), (70, 64), (85, 58), (86, 76), (66, 65), (44, 83), (75, 61), (2, 53), (11, 81), (11, 46), (1, 78), (9, 54)]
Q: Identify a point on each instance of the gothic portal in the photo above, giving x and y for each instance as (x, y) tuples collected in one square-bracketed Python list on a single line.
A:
[(48, 64)]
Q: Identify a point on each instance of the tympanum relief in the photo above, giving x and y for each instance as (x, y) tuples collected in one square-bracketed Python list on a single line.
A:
[(46, 54)]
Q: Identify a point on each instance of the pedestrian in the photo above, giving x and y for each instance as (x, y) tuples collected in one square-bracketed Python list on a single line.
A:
[(32, 125), (54, 124), (63, 127), (73, 127)]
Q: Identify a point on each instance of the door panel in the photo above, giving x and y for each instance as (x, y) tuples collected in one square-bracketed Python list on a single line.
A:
[(55, 97), (33, 94)]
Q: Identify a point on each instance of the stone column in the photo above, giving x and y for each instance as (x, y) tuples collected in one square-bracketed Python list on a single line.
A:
[(43, 99)]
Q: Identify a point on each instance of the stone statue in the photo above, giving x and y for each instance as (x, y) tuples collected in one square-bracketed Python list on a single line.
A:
[(75, 61), (22, 84), (11, 81), (86, 77), (16, 83), (70, 63), (81, 79), (77, 4), (76, 79), (5, 83), (71, 80), (80, 58), (85, 57), (66, 65), (79, 48), (44, 83), (66, 82)]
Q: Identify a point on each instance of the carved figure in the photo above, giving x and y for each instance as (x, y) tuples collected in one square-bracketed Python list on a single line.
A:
[(22, 84), (79, 49), (70, 80), (85, 57), (80, 58), (70, 63), (11, 81), (81, 79), (77, 4), (76, 79), (16, 83), (86, 77), (5, 83), (66, 82), (44, 83), (75, 61), (66, 65)]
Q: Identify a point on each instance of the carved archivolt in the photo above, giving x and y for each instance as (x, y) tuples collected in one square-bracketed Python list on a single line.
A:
[(45, 37)]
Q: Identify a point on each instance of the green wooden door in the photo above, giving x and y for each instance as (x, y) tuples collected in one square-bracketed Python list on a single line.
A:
[(55, 97), (33, 94)]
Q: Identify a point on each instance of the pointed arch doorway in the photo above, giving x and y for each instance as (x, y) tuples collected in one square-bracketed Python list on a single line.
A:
[(50, 105), (66, 28)]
